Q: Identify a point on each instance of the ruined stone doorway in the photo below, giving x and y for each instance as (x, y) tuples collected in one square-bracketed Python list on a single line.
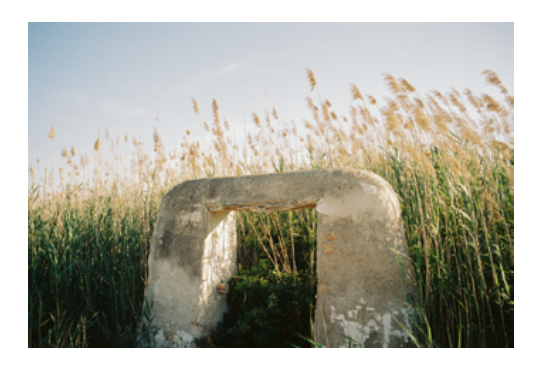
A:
[(363, 267)]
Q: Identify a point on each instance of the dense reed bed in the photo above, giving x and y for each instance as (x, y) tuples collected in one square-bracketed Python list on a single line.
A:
[(449, 157)]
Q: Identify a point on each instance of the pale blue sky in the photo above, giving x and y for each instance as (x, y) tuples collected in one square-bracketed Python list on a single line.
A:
[(120, 75)]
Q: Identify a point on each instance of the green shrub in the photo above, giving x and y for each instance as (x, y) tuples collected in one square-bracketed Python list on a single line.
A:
[(266, 309)]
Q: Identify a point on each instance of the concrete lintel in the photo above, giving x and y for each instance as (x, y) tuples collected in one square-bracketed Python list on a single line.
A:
[(309, 203)]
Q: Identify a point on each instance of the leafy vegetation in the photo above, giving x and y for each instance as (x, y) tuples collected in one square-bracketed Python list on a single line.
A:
[(266, 309)]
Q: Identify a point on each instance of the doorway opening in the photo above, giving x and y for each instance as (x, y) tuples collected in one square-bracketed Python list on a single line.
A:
[(272, 297)]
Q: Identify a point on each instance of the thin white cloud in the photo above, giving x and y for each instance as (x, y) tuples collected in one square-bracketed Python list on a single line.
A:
[(123, 110), (217, 71), (226, 70), (75, 96), (239, 63)]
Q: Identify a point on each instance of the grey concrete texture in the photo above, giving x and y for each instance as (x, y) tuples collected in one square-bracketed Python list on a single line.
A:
[(364, 273)]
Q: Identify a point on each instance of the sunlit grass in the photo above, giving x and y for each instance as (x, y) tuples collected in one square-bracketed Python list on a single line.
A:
[(452, 168)]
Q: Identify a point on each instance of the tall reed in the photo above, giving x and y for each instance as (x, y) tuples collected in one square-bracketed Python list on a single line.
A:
[(449, 157)]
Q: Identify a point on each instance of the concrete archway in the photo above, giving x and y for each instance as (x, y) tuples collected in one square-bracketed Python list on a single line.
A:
[(360, 250)]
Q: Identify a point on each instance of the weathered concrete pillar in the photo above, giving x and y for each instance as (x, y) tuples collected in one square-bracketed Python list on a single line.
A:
[(363, 271)]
